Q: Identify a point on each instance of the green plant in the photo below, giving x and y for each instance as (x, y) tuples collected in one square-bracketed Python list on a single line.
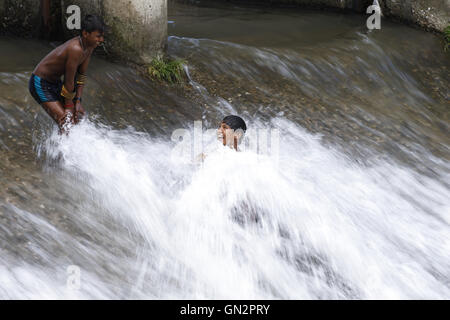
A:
[(447, 38), (164, 69)]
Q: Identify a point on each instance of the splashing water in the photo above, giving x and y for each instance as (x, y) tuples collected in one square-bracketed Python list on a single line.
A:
[(312, 225)]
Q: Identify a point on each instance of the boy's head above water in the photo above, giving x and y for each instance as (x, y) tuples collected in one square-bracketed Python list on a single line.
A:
[(231, 131), (92, 30)]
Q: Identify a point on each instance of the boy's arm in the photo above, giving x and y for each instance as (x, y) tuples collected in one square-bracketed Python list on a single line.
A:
[(79, 110), (73, 58), (82, 70)]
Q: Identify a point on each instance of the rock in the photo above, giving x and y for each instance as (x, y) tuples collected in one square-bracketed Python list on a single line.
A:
[(429, 14)]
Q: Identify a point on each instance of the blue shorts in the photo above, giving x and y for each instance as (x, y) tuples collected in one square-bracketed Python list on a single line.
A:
[(43, 90)]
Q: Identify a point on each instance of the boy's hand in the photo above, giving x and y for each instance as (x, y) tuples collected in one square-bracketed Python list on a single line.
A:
[(67, 117), (79, 111)]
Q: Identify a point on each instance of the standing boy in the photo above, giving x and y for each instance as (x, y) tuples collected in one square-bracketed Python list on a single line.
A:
[(62, 100)]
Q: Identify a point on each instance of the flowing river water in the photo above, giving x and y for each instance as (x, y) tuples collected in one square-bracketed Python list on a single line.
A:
[(346, 195)]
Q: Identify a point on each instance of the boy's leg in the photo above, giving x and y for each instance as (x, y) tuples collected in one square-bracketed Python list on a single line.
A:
[(56, 111)]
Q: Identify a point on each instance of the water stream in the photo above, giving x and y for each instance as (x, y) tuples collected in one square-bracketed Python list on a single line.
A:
[(350, 201)]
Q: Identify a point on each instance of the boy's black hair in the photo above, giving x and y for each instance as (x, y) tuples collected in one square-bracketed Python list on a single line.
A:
[(235, 122), (92, 23)]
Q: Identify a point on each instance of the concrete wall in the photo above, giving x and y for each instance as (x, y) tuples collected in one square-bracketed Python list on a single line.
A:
[(136, 29)]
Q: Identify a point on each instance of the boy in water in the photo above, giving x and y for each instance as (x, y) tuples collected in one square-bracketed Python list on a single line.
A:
[(231, 131), (62, 100)]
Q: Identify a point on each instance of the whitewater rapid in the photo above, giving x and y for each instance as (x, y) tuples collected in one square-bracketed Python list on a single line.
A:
[(310, 224)]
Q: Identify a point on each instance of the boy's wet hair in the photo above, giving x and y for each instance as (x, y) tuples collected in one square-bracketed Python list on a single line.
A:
[(92, 23), (235, 122)]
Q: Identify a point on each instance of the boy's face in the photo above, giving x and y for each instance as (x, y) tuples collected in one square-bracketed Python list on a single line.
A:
[(94, 38), (223, 131), (227, 135)]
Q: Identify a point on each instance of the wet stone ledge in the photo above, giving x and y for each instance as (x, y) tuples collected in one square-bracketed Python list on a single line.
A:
[(431, 15)]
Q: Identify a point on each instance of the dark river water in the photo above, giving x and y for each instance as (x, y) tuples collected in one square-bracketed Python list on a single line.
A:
[(340, 191)]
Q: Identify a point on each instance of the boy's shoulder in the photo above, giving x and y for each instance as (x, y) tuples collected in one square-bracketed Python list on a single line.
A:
[(71, 46), (74, 45)]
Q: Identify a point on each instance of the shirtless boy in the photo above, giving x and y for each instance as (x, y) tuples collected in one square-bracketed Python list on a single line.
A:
[(62, 100)]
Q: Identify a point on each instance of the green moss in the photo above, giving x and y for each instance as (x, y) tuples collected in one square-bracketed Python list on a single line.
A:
[(164, 69), (447, 38)]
